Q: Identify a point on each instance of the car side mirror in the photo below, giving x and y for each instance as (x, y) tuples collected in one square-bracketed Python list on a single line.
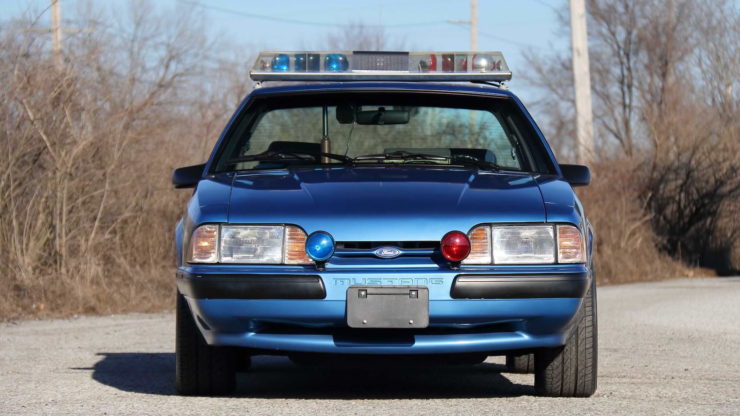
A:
[(188, 176), (576, 175)]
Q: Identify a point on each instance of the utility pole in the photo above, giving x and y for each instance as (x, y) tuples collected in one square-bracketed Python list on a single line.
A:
[(581, 82), (474, 25), (56, 32), (473, 22)]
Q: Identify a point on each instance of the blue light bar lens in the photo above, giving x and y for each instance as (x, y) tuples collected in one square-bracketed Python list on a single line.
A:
[(320, 246), (336, 62), (281, 63), (300, 62), (314, 62)]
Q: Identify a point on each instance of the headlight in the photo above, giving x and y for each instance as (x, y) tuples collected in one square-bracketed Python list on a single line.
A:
[(248, 244), (533, 244), (252, 244), (525, 244)]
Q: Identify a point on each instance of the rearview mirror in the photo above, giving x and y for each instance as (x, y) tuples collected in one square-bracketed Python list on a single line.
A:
[(188, 176), (382, 116), (576, 175)]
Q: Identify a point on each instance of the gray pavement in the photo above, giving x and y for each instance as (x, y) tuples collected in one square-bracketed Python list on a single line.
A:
[(665, 348)]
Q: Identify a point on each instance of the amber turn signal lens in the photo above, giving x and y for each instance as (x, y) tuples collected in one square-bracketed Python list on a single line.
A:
[(295, 246), (570, 245), (204, 244), (480, 245)]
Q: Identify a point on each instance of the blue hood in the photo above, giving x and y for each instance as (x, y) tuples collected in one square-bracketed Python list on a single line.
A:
[(384, 203)]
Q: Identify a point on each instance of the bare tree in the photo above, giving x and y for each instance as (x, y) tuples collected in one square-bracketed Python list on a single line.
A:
[(86, 210), (665, 101)]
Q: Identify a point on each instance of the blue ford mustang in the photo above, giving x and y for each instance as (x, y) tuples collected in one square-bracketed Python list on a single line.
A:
[(375, 203)]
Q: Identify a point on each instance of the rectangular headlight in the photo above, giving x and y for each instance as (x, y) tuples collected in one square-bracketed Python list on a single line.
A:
[(261, 244), (530, 244)]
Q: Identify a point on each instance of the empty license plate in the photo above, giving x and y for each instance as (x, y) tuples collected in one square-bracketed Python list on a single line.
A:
[(388, 307)]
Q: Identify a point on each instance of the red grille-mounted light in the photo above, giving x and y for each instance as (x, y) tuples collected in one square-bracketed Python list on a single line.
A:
[(455, 246)]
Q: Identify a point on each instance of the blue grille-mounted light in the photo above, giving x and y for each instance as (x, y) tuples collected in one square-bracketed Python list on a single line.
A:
[(380, 66), (320, 246)]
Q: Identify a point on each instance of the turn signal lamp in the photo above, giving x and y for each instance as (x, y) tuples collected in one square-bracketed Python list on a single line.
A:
[(380, 66), (295, 246), (204, 244), (570, 245), (455, 246), (480, 245)]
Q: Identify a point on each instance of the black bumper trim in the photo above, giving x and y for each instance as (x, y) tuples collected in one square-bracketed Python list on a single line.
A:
[(241, 286), (481, 286)]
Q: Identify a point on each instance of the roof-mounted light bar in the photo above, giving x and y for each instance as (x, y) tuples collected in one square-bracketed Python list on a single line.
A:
[(380, 66)]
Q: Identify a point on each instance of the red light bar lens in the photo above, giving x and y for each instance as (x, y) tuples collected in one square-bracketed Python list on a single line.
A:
[(455, 246)]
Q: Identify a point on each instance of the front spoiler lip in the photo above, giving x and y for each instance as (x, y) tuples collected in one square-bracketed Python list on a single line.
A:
[(483, 286)]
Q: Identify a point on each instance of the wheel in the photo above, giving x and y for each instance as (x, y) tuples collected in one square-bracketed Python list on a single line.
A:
[(570, 370), (523, 364), (200, 369)]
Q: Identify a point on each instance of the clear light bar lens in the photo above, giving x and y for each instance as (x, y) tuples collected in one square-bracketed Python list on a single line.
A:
[(480, 245), (570, 245), (252, 244), (533, 244)]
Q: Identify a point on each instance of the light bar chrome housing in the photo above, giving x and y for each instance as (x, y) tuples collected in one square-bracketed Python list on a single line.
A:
[(380, 66)]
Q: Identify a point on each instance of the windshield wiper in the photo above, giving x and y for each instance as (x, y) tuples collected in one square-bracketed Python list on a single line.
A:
[(271, 156), (465, 160), (401, 155)]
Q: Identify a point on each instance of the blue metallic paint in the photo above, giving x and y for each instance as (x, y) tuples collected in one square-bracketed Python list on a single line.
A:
[(383, 204)]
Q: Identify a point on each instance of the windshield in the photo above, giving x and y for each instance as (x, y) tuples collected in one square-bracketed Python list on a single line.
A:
[(382, 129)]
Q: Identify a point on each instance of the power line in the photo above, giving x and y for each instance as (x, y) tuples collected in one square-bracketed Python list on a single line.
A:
[(502, 39), (295, 21)]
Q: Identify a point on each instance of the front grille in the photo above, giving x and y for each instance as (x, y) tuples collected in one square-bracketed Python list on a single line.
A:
[(372, 245)]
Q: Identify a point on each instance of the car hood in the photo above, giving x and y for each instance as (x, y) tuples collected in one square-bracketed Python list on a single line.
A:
[(384, 203)]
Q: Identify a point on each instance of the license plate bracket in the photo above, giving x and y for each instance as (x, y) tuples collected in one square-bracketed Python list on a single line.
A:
[(388, 307)]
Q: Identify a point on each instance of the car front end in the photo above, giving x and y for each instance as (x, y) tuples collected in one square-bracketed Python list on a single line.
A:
[(382, 218)]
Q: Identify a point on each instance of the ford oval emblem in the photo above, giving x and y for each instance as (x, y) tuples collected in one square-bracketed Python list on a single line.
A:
[(388, 252)]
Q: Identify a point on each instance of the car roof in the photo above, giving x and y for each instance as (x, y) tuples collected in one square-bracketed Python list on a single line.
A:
[(456, 87)]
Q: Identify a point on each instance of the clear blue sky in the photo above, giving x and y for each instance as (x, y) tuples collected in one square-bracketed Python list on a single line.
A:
[(510, 26)]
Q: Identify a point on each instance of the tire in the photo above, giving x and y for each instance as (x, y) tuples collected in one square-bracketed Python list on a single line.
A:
[(570, 370), (200, 369), (522, 364)]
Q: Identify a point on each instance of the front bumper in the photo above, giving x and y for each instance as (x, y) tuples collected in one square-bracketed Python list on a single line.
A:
[(469, 311)]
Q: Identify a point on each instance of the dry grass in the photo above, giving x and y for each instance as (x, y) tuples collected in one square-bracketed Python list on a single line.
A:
[(626, 246)]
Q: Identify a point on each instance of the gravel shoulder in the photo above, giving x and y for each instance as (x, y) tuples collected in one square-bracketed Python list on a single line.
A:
[(665, 348)]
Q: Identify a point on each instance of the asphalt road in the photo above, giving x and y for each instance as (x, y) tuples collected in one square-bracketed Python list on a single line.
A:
[(665, 348)]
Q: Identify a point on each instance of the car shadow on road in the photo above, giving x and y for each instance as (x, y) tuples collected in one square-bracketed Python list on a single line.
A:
[(277, 377)]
